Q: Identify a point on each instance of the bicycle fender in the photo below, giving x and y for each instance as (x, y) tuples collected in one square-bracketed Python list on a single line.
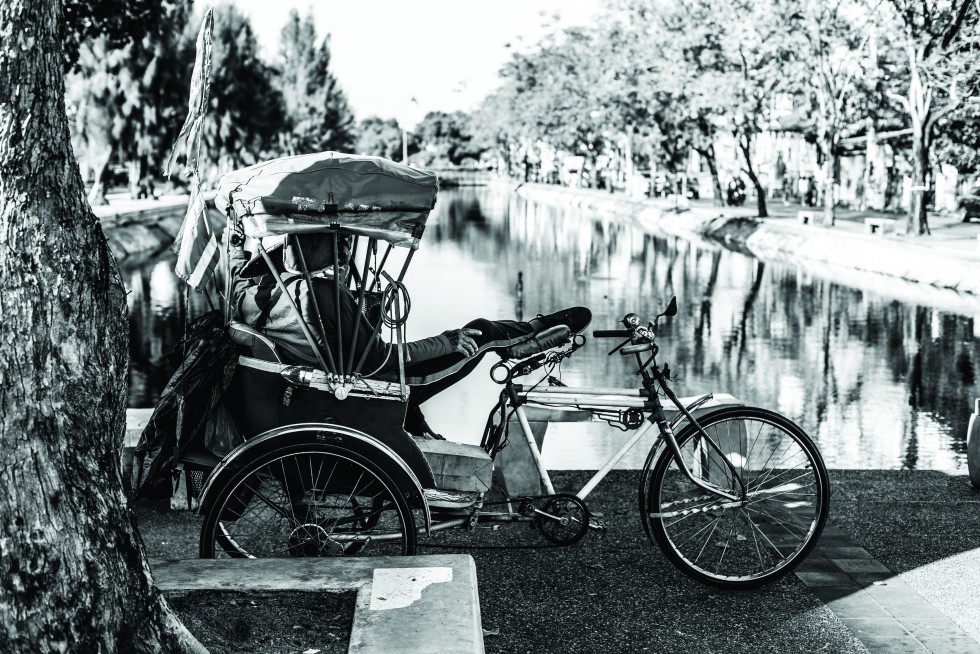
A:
[(337, 436)]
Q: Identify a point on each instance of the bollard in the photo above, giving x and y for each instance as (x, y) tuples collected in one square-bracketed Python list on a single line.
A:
[(973, 445)]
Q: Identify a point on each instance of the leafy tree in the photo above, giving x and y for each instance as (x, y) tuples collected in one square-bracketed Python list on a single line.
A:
[(556, 94), (319, 117), (75, 574), (379, 137), (446, 138), (495, 124), (831, 36), (686, 74), (753, 66), (246, 113), (127, 98), (940, 44)]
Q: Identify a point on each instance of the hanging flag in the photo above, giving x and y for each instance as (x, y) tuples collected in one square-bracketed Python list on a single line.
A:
[(196, 244), (198, 252), (189, 139)]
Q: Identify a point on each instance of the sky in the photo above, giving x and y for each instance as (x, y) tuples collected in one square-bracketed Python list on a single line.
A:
[(444, 53)]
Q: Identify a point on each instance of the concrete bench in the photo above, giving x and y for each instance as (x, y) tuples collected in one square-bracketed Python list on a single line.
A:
[(406, 604), (878, 225)]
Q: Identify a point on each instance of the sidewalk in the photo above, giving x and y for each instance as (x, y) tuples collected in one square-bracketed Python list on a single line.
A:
[(910, 541)]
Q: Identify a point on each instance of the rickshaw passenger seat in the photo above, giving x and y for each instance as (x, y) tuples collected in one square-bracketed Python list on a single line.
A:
[(256, 344)]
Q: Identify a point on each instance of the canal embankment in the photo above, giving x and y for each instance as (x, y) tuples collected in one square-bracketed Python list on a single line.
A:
[(949, 259)]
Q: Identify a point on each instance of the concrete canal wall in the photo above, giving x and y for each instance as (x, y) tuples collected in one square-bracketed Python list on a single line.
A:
[(138, 230), (146, 228), (924, 261)]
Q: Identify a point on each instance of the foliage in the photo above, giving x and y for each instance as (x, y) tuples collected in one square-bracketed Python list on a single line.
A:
[(245, 110), (445, 138), (318, 116), (128, 98), (379, 137), (119, 22)]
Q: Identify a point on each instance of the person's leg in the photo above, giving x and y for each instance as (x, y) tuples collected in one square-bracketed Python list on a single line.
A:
[(435, 375), (429, 378)]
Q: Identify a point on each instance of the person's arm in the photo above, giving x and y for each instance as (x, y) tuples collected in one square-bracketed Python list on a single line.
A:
[(449, 342)]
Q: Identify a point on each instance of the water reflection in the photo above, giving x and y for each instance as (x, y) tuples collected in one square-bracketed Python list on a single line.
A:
[(878, 382)]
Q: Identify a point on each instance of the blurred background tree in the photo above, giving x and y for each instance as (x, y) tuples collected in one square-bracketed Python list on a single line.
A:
[(864, 102), (316, 110)]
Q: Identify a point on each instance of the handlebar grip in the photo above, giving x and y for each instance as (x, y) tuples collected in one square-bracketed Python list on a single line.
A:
[(611, 333), (633, 349)]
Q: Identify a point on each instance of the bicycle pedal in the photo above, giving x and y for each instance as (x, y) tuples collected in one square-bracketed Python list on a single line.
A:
[(596, 525)]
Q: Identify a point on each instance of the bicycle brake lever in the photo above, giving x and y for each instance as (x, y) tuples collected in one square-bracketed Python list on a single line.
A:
[(618, 347)]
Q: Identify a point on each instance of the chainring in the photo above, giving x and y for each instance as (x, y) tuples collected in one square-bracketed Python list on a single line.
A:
[(563, 519)]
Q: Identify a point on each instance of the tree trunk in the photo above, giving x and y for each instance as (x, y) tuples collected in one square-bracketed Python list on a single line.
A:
[(96, 194), (75, 576), (746, 147), (709, 156), (918, 218), (829, 183)]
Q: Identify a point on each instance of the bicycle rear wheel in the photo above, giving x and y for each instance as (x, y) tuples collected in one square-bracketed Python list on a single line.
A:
[(762, 536), (309, 499)]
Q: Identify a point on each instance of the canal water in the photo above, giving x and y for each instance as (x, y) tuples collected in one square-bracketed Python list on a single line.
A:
[(882, 374)]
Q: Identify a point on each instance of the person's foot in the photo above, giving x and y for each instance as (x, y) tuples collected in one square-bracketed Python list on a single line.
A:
[(576, 318)]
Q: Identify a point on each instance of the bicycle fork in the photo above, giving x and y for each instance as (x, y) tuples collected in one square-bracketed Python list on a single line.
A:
[(658, 417)]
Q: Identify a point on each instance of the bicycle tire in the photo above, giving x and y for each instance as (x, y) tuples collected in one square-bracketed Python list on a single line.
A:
[(770, 530), (308, 499)]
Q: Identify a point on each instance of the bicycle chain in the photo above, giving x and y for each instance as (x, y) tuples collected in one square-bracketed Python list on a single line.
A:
[(513, 500)]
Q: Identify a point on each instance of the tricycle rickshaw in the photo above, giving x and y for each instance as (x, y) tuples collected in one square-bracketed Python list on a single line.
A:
[(736, 497)]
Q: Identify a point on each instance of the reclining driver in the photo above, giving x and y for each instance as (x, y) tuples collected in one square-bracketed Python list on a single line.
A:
[(432, 364)]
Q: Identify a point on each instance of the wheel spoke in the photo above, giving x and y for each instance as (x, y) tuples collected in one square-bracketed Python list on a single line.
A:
[(769, 530), (309, 503)]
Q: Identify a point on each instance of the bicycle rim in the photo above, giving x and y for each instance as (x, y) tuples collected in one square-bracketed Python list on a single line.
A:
[(752, 541), (308, 502)]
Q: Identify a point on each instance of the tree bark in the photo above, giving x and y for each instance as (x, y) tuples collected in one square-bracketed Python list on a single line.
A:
[(75, 575), (918, 218), (709, 156), (745, 144)]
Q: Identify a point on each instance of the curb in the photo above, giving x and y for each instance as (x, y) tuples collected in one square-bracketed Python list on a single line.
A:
[(405, 604)]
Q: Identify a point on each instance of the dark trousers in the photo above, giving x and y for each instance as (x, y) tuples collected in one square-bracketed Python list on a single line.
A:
[(436, 375)]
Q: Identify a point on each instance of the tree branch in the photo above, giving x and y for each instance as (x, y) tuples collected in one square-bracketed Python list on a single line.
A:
[(902, 100), (956, 24)]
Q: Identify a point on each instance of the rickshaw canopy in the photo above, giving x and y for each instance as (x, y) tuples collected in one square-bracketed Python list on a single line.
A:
[(331, 191)]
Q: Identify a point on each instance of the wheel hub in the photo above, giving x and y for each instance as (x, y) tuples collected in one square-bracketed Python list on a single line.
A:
[(313, 540)]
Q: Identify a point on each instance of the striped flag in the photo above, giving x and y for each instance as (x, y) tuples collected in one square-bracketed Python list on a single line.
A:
[(196, 244)]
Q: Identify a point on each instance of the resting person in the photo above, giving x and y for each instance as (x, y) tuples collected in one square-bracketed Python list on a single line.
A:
[(432, 364)]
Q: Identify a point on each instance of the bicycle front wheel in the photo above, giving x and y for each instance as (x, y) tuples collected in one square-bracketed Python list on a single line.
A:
[(777, 519)]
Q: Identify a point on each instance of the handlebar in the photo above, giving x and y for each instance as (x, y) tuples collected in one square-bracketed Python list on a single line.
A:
[(611, 333)]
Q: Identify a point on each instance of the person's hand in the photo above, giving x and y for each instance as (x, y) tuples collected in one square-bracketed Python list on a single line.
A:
[(461, 340), (235, 237)]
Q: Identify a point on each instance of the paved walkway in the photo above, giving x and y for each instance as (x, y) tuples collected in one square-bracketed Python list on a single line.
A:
[(897, 570), (949, 232)]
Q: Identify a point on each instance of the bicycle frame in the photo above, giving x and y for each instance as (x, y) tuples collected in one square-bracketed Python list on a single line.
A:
[(595, 398)]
